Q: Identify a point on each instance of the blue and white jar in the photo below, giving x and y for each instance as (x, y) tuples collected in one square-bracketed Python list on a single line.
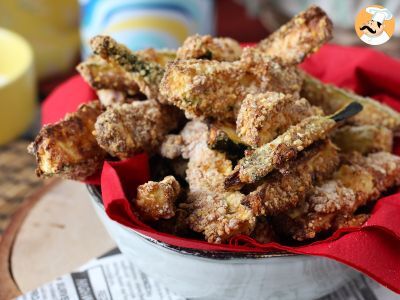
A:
[(145, 23)]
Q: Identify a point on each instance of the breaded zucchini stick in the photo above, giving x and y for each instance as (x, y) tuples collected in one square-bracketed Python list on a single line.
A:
[(100, 75), (207, 47), (213, 89), (218, 214), (283, 190), (262, 117), (161, 57), (303, 35), (68, 148), (346, 221), (112, 83), (364, 139), (354, 184), (156, 200), (146, 74), (332, 98), (130, 128), (285, 147)]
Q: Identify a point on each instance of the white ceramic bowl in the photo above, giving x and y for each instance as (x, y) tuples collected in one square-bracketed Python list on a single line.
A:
[(197, 274)]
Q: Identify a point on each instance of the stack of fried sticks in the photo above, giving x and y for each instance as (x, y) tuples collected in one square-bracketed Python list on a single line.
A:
[(250, 143)]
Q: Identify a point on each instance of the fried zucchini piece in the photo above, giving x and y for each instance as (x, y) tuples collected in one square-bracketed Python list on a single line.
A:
[(156, 200), (364, 139), (161, 57), (283, 190), (346, 221), (303, 35), (222, 137), (332, 98), (213, 89), (266, 158), (258, 163), (127, 129), (145, 73), (218, 214), (263, 232), (103, 76), (68, 148), (172, 145), (207, 47), (262, 117), (336, 200)]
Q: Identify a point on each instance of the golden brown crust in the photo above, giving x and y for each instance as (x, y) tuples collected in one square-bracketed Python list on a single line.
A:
[(284, 189), (101, 75), (127, 129), (364, 139), (262, 117), (171, 146), (161, 57), (68, 148), (156, 200), (217, 214), (331, 98), (207, 47), (147, 74), (346, 221), (266, 158), (113, 83), (303, 35), (341, 196), (214, 89)]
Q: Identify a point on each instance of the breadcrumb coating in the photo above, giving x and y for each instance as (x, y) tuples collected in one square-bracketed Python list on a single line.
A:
[(218, 214), (262, 117), (112, 82), (110, 97), (251, 106), (127, 129), (346, 221), (146, 74), (213, 89), (303, 35), (266, 158), (207, 47), (337, 199), (171, 147), (331, 98), (68, 148), (284, 189), (161, 57), (156, 200), (101, 75), (364, 139)]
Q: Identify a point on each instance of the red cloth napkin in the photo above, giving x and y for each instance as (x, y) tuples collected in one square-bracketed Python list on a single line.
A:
[(373, 249)]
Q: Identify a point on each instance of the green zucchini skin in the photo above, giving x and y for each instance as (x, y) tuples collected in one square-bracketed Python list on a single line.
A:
[(223, 138)]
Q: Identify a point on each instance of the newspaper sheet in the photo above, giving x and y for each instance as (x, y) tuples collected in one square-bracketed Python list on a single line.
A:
[(112, 276)]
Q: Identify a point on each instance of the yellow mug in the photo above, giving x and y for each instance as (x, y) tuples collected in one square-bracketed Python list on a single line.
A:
[(17, 85)]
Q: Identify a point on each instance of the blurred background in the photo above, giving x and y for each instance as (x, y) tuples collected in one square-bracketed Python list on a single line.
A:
[(41, 41)]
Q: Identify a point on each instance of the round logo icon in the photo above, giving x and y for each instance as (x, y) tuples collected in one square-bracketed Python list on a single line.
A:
[(374, 25)]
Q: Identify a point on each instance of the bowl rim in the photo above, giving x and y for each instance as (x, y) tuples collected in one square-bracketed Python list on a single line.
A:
[(94, 191)]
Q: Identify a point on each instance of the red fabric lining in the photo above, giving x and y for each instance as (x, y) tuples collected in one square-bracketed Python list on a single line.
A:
[(372, 249)]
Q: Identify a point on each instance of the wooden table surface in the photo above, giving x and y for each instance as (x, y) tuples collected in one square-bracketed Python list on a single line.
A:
[(17, 179), (54, 232)]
